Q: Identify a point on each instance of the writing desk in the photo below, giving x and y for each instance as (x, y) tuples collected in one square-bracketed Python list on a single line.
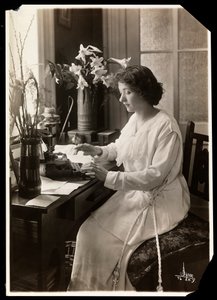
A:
[(38, 235)]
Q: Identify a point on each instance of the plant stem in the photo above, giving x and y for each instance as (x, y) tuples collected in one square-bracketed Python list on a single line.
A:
[(37, 106), (24, 112), (27, 32), (61, 133), (13, 64), (15, 120), (21, 125)]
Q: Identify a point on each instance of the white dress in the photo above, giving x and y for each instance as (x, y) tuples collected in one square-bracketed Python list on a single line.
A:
[(152, 179)]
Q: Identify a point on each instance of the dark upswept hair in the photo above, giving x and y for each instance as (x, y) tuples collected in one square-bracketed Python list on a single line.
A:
[(141, 80)]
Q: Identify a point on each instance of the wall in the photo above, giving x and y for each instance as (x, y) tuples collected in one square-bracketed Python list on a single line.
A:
[(174, 45), (23, 24), (85, 27)]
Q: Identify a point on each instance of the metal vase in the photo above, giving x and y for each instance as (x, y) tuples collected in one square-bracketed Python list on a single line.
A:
[(85, 110)]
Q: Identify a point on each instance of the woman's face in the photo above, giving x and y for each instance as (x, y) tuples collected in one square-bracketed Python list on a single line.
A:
[(132, 100)]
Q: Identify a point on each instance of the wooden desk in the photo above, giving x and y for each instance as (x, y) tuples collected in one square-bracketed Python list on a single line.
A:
[(38, 235)]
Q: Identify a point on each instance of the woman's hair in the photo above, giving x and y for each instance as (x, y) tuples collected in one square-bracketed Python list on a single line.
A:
[(142, 81)]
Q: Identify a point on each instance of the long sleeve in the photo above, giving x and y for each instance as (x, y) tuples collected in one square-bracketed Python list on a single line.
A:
[(164, 158), (109, 152)]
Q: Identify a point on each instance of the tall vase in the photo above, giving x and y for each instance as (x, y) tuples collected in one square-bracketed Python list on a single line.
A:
[(30, 181), (85, 112)]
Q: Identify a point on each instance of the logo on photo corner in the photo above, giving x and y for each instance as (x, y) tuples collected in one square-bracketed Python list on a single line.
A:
[(183, 275)]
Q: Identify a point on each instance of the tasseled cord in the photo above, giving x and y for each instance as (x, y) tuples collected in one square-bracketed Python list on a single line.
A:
[(159, 287), (116, 272)]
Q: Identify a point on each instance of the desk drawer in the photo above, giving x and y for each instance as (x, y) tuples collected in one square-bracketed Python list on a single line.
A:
[(78, 208), (91, 199)]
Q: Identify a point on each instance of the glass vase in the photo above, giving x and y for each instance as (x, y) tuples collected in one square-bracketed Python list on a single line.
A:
[(30, 181)]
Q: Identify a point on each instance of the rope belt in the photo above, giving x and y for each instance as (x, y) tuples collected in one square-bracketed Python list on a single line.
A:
[(159, 287), (116, 272)]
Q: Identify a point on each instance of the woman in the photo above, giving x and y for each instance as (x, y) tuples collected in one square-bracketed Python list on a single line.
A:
[(152, 195)]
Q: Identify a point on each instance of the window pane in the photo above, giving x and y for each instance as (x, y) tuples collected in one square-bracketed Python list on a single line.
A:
[(156, 29), (193, 86), (192, 34), (161, 66)]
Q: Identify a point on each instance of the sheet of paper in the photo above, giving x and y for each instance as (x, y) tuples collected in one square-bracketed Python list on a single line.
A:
[(49, 185), (42, 200), (80, 158), (67, 188), (53, 187), (69, 151)]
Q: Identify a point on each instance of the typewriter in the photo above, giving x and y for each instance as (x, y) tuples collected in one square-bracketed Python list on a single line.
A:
[(58, 166)]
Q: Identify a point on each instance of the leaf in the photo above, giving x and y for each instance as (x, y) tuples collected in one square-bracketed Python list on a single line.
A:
[(59, 73), (66, 67), (52, 68), (48, 71), (69, 85), (15, 100)]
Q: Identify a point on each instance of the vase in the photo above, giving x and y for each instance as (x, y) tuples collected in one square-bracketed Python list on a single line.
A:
[(85, 110), (30, 182)]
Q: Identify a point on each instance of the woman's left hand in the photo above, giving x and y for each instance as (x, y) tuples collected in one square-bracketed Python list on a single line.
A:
[(100, 172)]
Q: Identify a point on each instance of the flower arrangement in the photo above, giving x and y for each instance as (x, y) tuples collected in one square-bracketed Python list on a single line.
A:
[(86, 74), (90, 69)]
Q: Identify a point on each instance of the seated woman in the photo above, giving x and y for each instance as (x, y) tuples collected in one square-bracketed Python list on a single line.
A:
[(152, 195)]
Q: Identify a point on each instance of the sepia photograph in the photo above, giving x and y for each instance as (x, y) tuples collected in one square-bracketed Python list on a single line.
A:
[(109, 150)]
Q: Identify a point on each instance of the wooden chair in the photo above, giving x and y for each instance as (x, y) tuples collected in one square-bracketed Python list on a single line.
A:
[(198, 177), (185, 249)]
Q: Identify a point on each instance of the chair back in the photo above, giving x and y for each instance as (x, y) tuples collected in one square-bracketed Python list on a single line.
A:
[(196, 162)]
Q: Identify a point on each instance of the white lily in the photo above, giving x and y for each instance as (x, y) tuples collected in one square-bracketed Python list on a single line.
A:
[(82, 53), (108, 80), (75, 69), (98, 73), (123, 62), (95, 49), (82, 83), (96, 61)]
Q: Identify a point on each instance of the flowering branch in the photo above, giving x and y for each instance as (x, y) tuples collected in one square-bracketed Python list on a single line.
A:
[(23, 89), (12, 58)]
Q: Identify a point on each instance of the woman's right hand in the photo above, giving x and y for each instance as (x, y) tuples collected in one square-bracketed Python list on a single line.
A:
[(88, 149)]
